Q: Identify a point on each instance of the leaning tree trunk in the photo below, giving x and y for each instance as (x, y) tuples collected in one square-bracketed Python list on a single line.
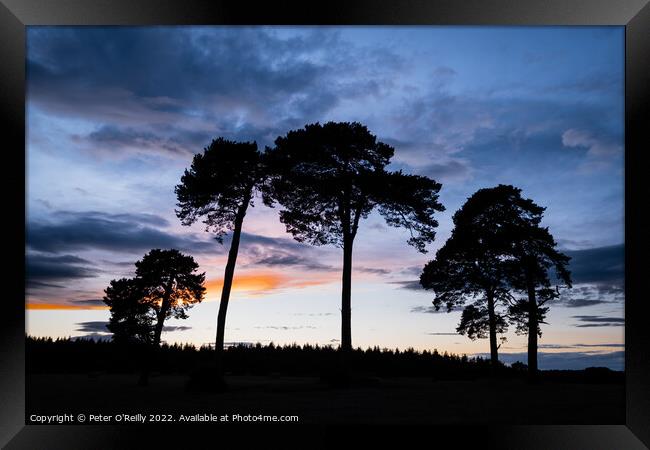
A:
[(532, 331), (492, 323), (225, 291), (346, 296)]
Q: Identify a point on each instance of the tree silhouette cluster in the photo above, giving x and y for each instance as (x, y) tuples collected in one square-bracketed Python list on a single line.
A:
[(498, 258), (165, 285), (325, 179)]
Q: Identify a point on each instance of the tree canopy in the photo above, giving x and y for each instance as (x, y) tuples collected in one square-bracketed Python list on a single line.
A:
[(219, 186), (132, 318), (165, 285), (328, 177), (170, 282), (471, 266)]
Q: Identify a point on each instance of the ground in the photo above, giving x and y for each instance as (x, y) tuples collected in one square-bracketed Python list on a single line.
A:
[(387, 400)]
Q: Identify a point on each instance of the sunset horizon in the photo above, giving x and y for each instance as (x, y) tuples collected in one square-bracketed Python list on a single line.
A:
[(115, 116)]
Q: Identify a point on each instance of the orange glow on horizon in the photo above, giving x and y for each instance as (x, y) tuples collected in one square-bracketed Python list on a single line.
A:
[(257, 283), (260, 283), (61, 306)]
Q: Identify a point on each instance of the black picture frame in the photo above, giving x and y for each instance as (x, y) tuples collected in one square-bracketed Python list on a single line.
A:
[(15, 15)]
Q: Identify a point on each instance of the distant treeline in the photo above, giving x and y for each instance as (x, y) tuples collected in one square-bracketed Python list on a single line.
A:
[(47, 355)]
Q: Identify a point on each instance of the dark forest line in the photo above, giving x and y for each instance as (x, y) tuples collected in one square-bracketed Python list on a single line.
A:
[(96, 357)]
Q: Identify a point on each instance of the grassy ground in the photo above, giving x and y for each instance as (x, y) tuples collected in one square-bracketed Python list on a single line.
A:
[(388, 400)]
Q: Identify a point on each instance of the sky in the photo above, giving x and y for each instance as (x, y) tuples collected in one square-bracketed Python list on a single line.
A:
[(115, 115)]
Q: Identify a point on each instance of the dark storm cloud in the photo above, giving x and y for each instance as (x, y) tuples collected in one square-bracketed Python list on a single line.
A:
[(149, 219), (598, 265), (130, 233), (164, 138), (41, 269), (599, 321), (249, 61), (240, 83)]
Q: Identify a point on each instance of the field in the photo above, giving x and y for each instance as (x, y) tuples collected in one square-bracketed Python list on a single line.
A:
[(397, 400), (384, 386)]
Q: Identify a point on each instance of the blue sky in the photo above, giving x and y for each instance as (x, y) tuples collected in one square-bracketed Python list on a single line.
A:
[(114, 115)]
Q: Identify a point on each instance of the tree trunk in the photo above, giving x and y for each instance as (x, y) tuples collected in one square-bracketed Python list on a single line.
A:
[(532, 330), (159, 327), (225, 291), (155, 347), (346, 296), (494, 355)]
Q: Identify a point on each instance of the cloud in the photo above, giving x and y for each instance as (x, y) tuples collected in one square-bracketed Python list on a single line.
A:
[(176, 328), (428, 310), (237, 82), (259, 283), (127, 233), (570, 346), (96, 327), (599, 321), (582, 302), (413, 285), (90, 302), (568, 360), (443, 334), (585, 295), (371, 270), (453, 169), (93, 327), (283, 252), (600, 265), (45, 271), (160, 138), (38, 284), (584, 139), (313, 314), (286, 328), (291, 260)]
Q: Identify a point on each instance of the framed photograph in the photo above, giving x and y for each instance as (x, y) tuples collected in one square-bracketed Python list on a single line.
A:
[(297, 218)]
